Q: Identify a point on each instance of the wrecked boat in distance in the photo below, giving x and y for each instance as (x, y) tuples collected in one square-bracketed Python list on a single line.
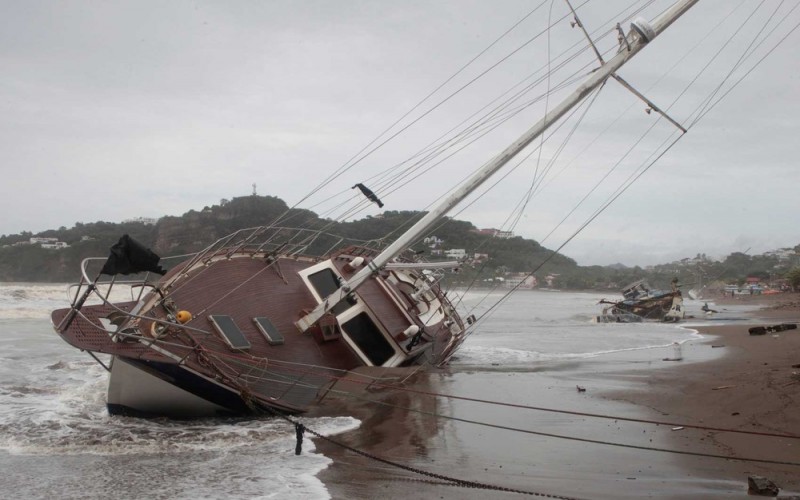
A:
[(642, 303)]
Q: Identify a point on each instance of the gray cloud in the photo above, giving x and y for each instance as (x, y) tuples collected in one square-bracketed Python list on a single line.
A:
[(124, 109)]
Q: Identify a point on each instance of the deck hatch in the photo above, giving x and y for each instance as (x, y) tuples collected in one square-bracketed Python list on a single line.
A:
[(268, 330), (231, 334)]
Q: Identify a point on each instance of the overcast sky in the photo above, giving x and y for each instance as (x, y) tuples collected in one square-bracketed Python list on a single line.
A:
[(120, 109)]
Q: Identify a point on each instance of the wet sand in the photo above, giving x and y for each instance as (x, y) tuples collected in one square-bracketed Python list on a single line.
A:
[(729, 379)]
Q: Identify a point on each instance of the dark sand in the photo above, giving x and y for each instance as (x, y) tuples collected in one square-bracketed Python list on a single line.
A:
[(744, 383)]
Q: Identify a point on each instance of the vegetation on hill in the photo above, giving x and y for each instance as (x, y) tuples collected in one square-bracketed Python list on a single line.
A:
[(194, 230)]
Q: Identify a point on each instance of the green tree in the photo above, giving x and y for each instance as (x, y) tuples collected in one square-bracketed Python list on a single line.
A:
[(794, 277)]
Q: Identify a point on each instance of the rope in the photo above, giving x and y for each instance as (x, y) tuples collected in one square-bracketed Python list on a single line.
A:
[(300, 428), (204, 358), (587, 440)]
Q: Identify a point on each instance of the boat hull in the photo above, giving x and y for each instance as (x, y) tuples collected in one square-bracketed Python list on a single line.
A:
[(150, 389)]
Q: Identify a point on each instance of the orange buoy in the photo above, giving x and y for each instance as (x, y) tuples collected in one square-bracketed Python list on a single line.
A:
[(183, 317)]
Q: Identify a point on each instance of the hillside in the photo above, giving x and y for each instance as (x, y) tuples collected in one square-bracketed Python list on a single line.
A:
[(178, 235), (192, 231)]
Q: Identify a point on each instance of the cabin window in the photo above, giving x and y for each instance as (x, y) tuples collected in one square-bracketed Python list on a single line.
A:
[(369, 339), (325, 282)]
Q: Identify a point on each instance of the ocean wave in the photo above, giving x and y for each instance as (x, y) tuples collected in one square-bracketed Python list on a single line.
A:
[(476, 356), (45, 419), (31, 301), (97, 433), (59, 408)]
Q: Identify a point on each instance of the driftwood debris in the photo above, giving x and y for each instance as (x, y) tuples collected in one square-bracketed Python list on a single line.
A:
[(763, 330), (759, 485)]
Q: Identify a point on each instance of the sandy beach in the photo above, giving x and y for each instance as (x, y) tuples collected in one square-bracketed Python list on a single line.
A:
[(726, 380)]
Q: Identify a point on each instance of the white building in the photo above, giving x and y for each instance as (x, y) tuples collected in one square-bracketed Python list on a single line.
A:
[(433, 241), (40, 241), (147, 221), (456, 253), (520, 280), (58, 245), (783, 254)]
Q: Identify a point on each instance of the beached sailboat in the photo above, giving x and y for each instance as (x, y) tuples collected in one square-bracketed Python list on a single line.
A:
[(257, 321), (217, 333)]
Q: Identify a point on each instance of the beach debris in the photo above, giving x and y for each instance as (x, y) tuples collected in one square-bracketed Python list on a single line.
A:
[(759, 485), (707, 309), (677, 353), (580, 389), (734, 413), (722, 387), (678, 428), (718, 345), (796, 366), (763, 330), (300, 429)]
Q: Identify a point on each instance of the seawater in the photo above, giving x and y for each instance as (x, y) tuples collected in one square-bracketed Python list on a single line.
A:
[(57, 440), (533, 326)]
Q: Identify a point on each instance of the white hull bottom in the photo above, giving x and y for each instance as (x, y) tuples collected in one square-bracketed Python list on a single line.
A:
[(132, 390)]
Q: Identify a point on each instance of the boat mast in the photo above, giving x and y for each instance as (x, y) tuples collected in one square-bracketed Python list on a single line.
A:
[(639, 36)]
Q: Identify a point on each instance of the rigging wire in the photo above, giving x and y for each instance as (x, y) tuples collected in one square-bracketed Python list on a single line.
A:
[(679, 61), (351, 163), (220, 356), (772, 49), (562, 436), (701, 114), (590, 102), (627, 16), (540, 152), (303, 369), (541, 137), (741, 57), (570, 58), (636, 175), (584, 49)]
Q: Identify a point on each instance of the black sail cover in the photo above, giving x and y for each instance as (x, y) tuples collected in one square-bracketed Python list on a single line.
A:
[(128, 256)]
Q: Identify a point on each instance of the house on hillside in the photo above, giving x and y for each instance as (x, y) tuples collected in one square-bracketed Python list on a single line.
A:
[(433, 242), (51, 243), (480, 257), (783, 254), (455, 253), (147, 221), (56, 245), (496, 233), (520, 281), (40, 241), (550, 279)]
